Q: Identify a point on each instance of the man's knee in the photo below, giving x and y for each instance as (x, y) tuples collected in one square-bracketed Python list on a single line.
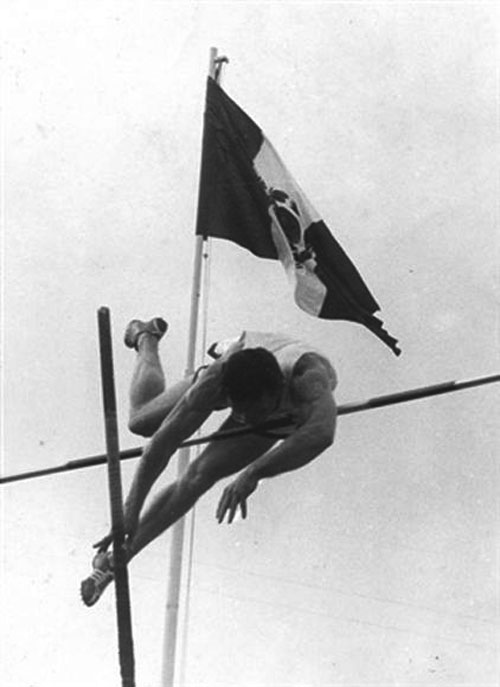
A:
[(141, 425)]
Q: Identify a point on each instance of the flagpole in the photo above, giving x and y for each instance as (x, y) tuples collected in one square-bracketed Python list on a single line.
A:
[(177, 531)]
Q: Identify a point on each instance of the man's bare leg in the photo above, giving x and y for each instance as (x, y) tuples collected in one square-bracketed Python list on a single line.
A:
[(219, 460), (150, 400), (148, 377)]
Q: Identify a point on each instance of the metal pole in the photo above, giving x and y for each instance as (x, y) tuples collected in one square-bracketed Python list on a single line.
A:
[(123, 613)]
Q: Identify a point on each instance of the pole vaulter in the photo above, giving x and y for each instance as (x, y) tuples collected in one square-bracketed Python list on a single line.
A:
[(275, 207)]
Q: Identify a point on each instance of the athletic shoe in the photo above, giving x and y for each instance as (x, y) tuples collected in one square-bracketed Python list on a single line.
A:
[(156, 327), (92, 587)]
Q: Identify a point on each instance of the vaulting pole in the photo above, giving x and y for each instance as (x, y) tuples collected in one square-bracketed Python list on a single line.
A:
[(177, 532), (344, 409), (123, 613)]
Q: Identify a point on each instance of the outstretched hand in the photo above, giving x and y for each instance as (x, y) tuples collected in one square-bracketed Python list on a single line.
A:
[(235, 495)]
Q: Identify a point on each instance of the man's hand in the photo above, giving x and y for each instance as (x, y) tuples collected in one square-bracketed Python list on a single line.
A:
[(104, 543), (130, 527), (236, 494)]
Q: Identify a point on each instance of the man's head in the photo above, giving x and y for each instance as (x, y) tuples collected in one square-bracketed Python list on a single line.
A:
[(253, 382)]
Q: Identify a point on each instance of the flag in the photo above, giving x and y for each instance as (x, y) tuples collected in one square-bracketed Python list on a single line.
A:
[(248, 196)]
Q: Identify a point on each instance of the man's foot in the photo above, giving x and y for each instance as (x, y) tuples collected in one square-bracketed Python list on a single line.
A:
[(94, 585), (156, 327)]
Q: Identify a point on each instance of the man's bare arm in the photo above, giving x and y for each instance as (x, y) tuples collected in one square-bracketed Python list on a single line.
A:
[(317, 412)]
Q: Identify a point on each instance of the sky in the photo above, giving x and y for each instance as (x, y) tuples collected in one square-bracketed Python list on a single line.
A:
[(378, 563)]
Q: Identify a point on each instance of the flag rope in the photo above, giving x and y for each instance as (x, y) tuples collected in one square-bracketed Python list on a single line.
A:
[(345, 409)]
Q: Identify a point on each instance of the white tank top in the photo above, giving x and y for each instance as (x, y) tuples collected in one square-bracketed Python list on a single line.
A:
[(287, 352)]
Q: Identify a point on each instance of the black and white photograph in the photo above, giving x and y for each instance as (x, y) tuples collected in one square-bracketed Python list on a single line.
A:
[(250, 344)]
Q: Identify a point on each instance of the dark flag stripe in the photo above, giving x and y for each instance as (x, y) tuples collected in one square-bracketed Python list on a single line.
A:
[(233, 202)]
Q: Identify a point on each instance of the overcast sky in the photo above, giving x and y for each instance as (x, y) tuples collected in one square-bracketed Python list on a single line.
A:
[(378, 563)]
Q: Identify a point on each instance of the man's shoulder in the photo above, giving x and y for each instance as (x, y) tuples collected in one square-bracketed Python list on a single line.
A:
[(313, 366), (310, 360)]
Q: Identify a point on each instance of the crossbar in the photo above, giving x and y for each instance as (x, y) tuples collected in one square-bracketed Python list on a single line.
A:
[(345, 409)]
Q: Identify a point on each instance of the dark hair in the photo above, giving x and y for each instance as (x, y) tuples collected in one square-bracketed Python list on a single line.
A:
[(250, 373)]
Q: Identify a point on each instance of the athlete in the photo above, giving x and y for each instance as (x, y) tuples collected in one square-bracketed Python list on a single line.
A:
[(258, 377)]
